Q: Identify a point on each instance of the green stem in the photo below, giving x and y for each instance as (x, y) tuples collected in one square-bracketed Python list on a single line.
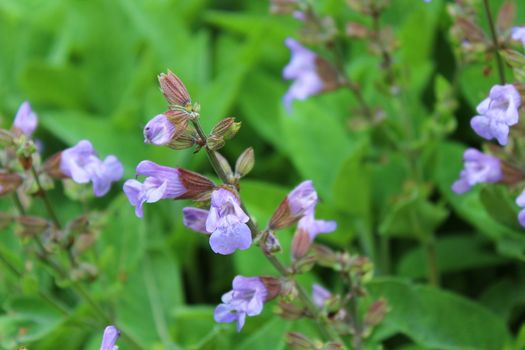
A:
[(433, 271), (324, 329), (43, 195), (494, 35), (357, 327)]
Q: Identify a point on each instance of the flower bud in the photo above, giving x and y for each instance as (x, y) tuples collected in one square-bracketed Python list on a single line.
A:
[(166, 127), (174, 90), (83, 242), (188, 138), (194, 183), (289, 311), (52, 167), (224, 165), (283, 7), (9, 183), (289, 290), (226, 129), (270, 244), (333, 346), (299, 341), (300, 244), (32, 225), (325, 256), (245, 163), (304, 264), (356, 30), (376, 313), (272, 285), (300, 200), (215, 142)]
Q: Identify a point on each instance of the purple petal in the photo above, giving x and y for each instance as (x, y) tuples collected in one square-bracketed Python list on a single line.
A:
[(25, 119), (159, 130), (320, 295), (226, 239), (195, 219), (109, 339)]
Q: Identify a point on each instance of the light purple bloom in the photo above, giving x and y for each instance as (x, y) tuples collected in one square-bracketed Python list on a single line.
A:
[(518, 34), (320, 295), (303, 70), (478, 168), (497, 112), (195, 219), (111, 334), (161, 183), (520, 201), (227, 223), (82, 164), (159, 130), (302, 199), (25, 119), (245, 299), (315, 227)]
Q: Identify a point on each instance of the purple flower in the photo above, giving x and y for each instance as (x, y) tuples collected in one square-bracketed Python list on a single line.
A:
[(520, 200), (518, 34), (497, 112), (303, 70), (159, 130), (245, 299), (320, 295), (161, 183), (82, 164), (25, 119), (111, 334), (227, 223), (478, 168), (314, 227), (195, 219), (302, 199)]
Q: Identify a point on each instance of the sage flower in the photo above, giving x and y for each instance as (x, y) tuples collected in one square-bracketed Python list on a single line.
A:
[(109, 339), (195, 219), (497, 112), (518, 34), (320, 295), (478, 168), (520, 201), (245, 299), (25, 120), (300, 201)]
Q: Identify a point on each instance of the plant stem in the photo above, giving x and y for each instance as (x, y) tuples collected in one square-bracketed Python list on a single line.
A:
[(494, 35), (387, 59), (433, 273), (357, 327), (324, 329), (43, 195)]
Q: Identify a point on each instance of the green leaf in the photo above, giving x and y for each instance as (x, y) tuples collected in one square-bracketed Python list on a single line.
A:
[(271, 333), (498, 204), (438, 319)]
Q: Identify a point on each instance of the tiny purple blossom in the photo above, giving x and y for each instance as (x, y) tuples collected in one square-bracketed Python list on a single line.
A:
[(302, 199), (227, 223), (159, 130), (520, 201), (320, 295), (245, 299), (315, 227), (195, 219), (478, 168), (82, 164), (161, 183), (111, 334), (497, 112), (26, 120), (518, 34), (303, 70)]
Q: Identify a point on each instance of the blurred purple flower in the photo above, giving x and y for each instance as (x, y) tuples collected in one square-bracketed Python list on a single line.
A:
[(245, 299), (159, 130), (82, 164), (303, 70), (518, 34), (227, 223), (320, 295), (111, 334), (161, 183), (302, 199), (195, 219), (314, 227), (497, 112), (520, 201), (25, 120), (478, 168)]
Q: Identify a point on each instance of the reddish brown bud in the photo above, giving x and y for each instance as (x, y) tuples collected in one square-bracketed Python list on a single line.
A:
[(506, 16), (328, 74), (83, 242), (273, 286), (174, 90), (283, 216), (356, 30), (32, 225), (180, 120), (245, 163), (195, 184), (9, 183), (376, 313), (300, 244), (52, 166), (299, 341)]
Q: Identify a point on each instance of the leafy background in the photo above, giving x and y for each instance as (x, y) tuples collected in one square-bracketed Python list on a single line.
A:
[(89, 69)]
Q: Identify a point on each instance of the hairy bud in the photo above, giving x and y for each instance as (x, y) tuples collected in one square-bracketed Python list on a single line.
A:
[(245, 163), (376, 313), (174, 90), (223, 131)]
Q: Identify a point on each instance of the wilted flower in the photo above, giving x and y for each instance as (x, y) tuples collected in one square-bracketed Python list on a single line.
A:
[(518, 34), (478, 168), (497, 112), (300, 201), (163, 182), (195, 219), (82, 164), (227, 223), (111, 334), (320, 295), (25, 120), (245, 299), (303, 70)]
